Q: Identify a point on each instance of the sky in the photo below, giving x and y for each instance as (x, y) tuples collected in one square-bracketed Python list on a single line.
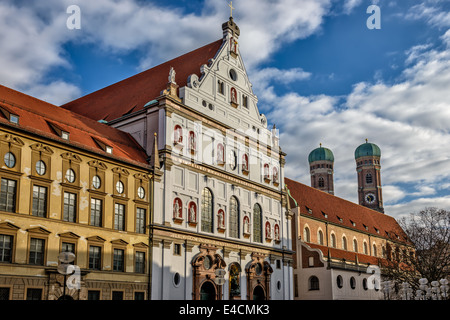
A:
[(320, 73)]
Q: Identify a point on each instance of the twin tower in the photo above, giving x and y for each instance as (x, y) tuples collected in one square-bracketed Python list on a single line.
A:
[(367, 157)]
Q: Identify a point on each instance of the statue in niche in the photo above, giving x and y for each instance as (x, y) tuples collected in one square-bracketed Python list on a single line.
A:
[(192, 212), (177, 208)]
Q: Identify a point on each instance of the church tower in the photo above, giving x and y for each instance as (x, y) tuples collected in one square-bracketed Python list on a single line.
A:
[(321, 162), (367, 157)]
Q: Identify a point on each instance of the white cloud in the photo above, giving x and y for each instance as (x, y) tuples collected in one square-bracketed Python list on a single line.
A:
[(349, 5), (409, 120), (32, 36)]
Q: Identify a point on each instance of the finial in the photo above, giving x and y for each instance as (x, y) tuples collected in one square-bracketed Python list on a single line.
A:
[(320, 144), (367, 140), (231, 8)]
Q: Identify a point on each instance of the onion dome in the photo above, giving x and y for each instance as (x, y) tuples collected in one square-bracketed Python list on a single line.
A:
[(321, 154), (367, 150)]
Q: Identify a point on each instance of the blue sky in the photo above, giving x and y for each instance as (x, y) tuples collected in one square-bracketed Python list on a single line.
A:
[(319, 73)]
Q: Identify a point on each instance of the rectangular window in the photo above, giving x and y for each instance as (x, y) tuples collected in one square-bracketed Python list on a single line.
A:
[(68, 247), (139, 266), (6, 243), (37, 250), (93, 295), (140, 220), (95, 258), (118, 260), (119, 216), (139, 295), (39, 201), (70, 207), (8, 195), (117, 295), (220, 87), (96, 212), (4, 293), (245, 101), (34, 294)]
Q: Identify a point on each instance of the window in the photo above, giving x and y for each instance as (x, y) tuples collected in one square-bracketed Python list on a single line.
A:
[(139, 295), (140, 220), (320, 237), (37, 250), (96, 182), (65, 135), (93, 295), (139, 263), (119, 187), (4, 294), (39, 208), (333, 240), (233, 74), (369, 178), (8, 195), (257, 223), (96, 212), (34, 294), (70, 207), (365, 250), (117, 295), (177, 249), (321, 182), (244, 101), (339, 282), (141, 192), (234, 217), (95, 258), (68, 247), (207, 210), (313, 283), (365, 287), (352, 283), (374, 250), (220, 87), (6, 247), (306, 235), (355, 245), (14, 118), (118, 260), (70, 175), (40, 167), (119, 216), (10, 160), (344, 243)]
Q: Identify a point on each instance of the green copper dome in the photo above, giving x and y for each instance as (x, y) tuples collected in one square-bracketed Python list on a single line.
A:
[(367, 149), (321, 154)]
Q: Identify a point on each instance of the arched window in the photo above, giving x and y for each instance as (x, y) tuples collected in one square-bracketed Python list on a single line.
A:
[(320, 237), (235, 282), (339, 282), (369, 178), (257, 223), (313, 283), (355, 245), (306, 235), (365, 247), (234, 217), (344, 243), (333, 240), (207, 210), (321, 182), (374, 250)]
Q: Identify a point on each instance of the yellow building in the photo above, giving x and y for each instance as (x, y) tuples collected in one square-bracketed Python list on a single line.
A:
[(69, 183)]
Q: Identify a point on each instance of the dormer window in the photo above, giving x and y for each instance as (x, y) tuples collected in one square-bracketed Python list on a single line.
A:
[(13, 118), (105, 147), (109, 149), (65, 135)]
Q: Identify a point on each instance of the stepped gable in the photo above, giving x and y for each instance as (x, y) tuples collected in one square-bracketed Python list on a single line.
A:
[(132, 94)]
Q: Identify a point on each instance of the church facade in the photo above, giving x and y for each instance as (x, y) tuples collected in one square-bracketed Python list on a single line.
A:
[(220, 229)]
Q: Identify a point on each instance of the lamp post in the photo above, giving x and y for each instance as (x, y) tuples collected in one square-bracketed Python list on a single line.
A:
[(65, 268)]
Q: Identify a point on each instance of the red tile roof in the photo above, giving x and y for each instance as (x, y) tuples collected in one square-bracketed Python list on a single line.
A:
[(131, 94), (38, 116), (339, 254), (317, 204)]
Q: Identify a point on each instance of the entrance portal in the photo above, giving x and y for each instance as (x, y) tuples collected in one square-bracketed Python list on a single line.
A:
[(208, 291), (258, 293)]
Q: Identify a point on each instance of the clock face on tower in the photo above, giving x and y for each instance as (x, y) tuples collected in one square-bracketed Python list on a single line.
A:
[(370, 198)]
